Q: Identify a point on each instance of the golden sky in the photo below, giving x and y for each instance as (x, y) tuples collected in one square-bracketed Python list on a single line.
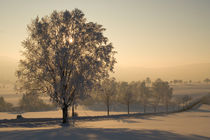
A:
[(145, 33)]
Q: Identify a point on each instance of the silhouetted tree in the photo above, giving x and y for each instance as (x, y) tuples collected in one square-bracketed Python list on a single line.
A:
[(167, 94), (74, 105), (157, 93), (177, 81), (161, 92), (148, 81), (108, 92), (63, 56), (126, 94), (207, 80), (144, 94), (72, 108)]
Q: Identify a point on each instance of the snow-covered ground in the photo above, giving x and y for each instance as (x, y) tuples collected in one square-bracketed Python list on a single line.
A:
[(56, 114), (190, 125)]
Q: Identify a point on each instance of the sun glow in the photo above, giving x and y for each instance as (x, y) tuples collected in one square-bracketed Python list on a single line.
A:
[(71, 40)]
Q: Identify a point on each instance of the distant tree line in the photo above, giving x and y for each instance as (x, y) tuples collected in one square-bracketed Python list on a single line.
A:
[(207, 80), (145, 93), (177, 81)]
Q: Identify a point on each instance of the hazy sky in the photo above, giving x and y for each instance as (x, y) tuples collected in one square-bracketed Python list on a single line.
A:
[(146, 33)]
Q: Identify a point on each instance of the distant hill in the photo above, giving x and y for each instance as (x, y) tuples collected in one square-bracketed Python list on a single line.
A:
[(194, 72)]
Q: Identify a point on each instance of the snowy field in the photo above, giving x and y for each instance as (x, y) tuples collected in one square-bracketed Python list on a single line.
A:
[(56, 114), (190, 125)]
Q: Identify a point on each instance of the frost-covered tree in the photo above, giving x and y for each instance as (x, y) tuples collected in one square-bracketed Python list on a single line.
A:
[(144, 94), (148, 81), (156, 93), (126, 94), (161, 92), (107, 92), (63, 56), (167, 94)]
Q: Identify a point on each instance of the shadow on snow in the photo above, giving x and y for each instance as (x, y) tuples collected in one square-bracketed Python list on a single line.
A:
[(93, 134)]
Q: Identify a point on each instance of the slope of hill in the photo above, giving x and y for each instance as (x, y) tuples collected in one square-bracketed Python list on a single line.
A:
[(195, 72)]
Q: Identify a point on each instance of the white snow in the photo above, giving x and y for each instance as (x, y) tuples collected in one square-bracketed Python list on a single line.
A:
[(191, 125)]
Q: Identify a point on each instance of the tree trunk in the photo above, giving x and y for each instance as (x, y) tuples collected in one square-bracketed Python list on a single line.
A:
[(144, 108), (107, 109), (65, 114), (128, 108), (107, 105), (72, 110)]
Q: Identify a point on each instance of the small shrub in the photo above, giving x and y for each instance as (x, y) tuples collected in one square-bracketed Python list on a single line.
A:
[(19, 117)]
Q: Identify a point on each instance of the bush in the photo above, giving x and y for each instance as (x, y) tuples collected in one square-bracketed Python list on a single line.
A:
[(19, 117)]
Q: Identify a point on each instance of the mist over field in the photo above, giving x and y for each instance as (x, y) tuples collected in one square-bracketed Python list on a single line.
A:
[(7, 70), (194, 72)]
